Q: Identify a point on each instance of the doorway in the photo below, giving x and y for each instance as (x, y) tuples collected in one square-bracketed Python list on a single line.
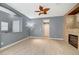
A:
[(46, 28)]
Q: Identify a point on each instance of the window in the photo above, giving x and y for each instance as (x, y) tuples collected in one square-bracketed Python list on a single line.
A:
[(4, 26), (17, 26)]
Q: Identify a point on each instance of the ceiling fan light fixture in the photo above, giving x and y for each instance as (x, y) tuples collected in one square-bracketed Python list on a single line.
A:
[(42, 10)]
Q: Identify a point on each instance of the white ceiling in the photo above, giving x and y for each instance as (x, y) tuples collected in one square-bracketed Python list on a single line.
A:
[(56, 9)]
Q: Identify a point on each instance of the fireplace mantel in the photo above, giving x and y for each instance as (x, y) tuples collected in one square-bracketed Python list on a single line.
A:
[(73, 31)]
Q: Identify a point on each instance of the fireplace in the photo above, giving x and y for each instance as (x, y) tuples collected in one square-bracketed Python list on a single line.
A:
[(73, 40)]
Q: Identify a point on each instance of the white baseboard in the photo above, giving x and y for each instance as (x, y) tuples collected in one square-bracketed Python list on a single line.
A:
[(57, 38), (35, 37), (13, 44), (48, 38)]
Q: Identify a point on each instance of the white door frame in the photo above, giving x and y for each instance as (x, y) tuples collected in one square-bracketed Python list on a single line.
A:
[(46, 27)]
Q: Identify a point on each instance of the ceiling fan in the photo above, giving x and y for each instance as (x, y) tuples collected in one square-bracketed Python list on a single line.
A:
[(42, 10)]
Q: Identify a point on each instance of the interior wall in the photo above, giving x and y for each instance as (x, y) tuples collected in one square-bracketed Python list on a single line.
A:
[(3, 17), (37, 30), (11, 37), (56, 27)]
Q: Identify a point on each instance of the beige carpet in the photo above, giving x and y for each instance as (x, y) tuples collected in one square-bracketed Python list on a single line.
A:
[(40, 47)]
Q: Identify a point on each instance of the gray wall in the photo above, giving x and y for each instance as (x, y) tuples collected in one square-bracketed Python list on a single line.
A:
[(56, 27), (10, 37), (37, 30), (6, 18)]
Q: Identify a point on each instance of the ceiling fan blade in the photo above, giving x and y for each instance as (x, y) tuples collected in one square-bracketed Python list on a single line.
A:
[(40, 13), (45, 12), (46, 9), (37, 11), (41, 8)]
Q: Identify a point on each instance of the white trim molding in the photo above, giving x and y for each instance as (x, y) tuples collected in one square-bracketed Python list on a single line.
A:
[(32, 37), (35, 37), (57, 38)]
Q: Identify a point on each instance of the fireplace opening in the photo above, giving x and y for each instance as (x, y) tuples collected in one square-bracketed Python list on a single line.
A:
[(73, 40)]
